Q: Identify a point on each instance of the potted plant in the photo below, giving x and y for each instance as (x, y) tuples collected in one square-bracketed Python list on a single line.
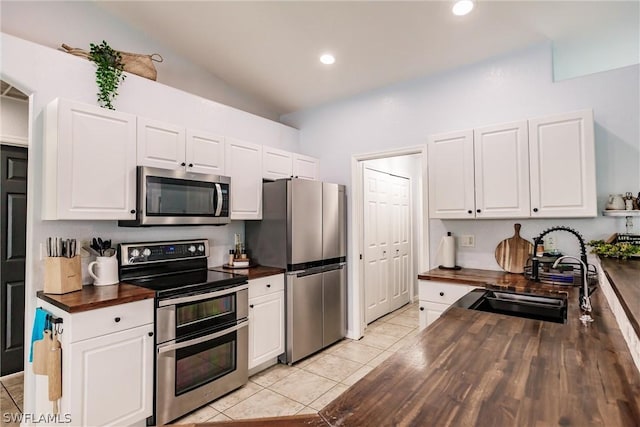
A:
[(108, 72), (622, 250)]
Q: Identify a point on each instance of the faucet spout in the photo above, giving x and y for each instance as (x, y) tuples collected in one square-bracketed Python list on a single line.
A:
[(585, 300)]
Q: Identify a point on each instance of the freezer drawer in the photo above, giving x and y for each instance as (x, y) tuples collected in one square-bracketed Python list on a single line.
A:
[(304, 315), (333, 301)]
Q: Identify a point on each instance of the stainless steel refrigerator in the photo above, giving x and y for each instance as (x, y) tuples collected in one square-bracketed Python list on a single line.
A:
[(303, 230)]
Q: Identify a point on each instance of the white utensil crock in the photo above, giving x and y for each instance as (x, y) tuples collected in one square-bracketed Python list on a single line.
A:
[(106, 270)]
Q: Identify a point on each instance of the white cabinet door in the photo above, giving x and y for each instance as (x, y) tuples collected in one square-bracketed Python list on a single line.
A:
[(89, 162), (112, 378), (243, 163), (160, 145), (276, 164), (562, 163), (266, 328), (305, 167), (501, 170), (205, 153), (451, 186)]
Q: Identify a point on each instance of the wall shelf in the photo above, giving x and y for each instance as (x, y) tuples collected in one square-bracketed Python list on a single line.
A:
[(621, 213)]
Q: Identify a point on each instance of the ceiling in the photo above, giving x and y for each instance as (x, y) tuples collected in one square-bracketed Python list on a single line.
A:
[(270, 49)]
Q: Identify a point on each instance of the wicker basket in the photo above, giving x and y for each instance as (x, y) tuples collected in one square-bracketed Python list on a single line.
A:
[(135, 63)]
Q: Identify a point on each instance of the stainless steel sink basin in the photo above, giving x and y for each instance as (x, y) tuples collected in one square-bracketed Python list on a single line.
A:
[(552, 309)]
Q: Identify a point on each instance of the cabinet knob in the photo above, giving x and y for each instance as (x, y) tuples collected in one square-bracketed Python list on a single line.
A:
[(132, 211), (535, 209), (441, 294), (117, 319), (182, 164), (478, 210), (469, 211), (421, 308), (150, 334), (250, 305), (190, 165), (268, 285)]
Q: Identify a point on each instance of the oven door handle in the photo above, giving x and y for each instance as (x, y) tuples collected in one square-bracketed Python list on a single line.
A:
[(202, 297), (171, 347)]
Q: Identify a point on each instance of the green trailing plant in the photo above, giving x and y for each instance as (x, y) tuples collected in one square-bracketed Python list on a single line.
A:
[(108, 72), (614, 250)]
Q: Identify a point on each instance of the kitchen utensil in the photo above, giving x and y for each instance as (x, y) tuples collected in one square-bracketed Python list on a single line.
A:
[(512, 253), (91, 250), (40, 353), (54, 372), (107, 270)]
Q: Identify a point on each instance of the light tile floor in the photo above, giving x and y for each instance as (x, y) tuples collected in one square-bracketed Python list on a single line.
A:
[(304, 388)]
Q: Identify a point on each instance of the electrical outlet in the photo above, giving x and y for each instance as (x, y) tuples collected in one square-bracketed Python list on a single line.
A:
[(468, 241), (550, 243)]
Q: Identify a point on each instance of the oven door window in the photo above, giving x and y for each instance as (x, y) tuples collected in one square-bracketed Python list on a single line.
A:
[(193, 317), (180, 197), (205, 362)]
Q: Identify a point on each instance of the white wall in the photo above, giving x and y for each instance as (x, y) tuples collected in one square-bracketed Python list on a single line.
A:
[(14, 121), (79, 23), (511, 87), (71, 77)]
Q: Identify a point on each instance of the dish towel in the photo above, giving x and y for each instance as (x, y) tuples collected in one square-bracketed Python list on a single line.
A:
[(39, 325)]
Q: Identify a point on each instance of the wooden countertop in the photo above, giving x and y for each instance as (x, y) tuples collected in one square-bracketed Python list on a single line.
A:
[(624, 277), (253, 272), (91, 297), (471, 368)]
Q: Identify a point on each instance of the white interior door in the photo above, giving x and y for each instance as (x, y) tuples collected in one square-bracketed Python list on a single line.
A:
[(376, 244), (400, 223)]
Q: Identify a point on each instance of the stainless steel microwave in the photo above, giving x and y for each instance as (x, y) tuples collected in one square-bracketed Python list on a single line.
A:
[(172, 197)]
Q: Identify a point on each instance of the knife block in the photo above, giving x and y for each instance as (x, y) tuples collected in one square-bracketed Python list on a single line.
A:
[(62, 275)]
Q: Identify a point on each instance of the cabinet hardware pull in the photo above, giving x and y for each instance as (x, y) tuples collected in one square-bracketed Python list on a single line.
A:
[(183, 164), (133, 211), (250, 305), (535, 209), (421, 308), (150, 334), (190, 165), (268, 285), (478, 210), (117, 319), (470, 211), (441, 294)]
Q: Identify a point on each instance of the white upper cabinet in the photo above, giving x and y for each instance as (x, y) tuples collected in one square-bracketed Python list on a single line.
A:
[(276, 164), (161, 145), (305, 167), (501, 165), (562, 163), (243, 163), (205, 152), (89, 162), (543, 168), (451, 186)]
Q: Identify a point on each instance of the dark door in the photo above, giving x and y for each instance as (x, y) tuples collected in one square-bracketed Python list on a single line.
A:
[(13, 229)]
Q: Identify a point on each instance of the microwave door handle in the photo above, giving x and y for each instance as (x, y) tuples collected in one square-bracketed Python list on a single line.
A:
[(218, 199)]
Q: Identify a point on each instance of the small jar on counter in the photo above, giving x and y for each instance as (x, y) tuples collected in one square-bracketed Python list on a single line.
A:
[(231, 256)]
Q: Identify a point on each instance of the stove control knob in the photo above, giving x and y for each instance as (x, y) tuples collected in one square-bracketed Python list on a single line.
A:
[(201, 248), (192, 249), (135, 252), (146, 252)]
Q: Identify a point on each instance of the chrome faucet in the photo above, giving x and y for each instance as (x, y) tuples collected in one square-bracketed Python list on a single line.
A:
[(585, 300)]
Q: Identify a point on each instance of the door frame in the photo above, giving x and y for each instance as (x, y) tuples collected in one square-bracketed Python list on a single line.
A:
[(357, 321)]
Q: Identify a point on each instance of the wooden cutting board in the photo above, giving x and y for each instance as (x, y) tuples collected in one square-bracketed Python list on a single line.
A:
[(512, 253), (41, 353)]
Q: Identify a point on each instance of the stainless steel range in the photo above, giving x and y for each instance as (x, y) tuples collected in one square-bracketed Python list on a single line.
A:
[(201, 324)]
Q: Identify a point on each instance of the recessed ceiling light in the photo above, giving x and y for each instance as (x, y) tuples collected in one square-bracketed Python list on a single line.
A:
[(462, 7), (327, 59)]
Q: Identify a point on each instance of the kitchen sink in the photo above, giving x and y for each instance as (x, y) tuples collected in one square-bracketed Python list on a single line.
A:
[(547, 308)]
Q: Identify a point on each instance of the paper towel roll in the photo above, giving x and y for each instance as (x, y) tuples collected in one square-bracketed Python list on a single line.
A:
[(448, 251)]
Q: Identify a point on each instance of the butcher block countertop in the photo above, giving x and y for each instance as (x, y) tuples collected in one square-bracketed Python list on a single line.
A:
[(471, 368), (92, 297), (624, 277), (254, 272)]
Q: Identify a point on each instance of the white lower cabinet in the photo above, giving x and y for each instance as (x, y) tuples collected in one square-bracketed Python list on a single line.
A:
[(435, 297), (266, 321), (107, 374)]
